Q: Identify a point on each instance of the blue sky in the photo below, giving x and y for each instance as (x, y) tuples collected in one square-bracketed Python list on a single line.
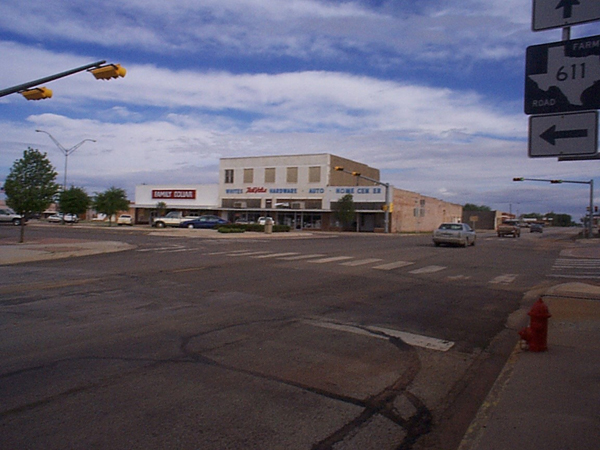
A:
[(429, 91)]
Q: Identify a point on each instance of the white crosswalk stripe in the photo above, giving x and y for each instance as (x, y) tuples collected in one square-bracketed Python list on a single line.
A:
[(361, 262), (275, 255), (394, 265), (300, 257), (576, 268), (427, 269), (504, 279), (330, 259)]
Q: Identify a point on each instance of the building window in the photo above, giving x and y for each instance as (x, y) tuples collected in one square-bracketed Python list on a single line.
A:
[(228, 176), (270, 175), (248, 176), (292, 175), (314, 174)]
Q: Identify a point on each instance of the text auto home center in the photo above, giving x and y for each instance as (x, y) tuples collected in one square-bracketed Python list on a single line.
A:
[(299, 191)]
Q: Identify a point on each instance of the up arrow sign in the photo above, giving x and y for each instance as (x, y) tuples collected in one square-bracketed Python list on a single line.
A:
[(564, 135), (551, 135), (567, 6), (563, 13)]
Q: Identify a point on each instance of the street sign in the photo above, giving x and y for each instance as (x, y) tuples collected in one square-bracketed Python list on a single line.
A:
[(563, 13), (564, 135), (563, 76)]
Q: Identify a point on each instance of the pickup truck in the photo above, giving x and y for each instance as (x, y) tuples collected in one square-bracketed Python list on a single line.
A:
[(509, 229), (9, 216), (172, 219)]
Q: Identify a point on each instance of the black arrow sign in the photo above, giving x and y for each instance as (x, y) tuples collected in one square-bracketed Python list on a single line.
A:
[(568, 7), (551, 135)]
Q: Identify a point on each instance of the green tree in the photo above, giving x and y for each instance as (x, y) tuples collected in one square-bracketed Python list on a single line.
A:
[(74, 201), (111, 202), (161, 208), (344, 210), (30, 186), (472, 207)]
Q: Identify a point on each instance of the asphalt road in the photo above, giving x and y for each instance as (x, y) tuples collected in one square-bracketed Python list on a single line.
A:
[(322, 341)]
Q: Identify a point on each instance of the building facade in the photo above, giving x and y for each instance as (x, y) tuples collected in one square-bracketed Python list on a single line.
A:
[(301, 191)]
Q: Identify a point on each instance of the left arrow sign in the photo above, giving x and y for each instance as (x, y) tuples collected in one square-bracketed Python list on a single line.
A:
[(551, 135)]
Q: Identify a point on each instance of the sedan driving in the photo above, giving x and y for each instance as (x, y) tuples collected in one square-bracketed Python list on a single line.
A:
[(204, 222), (454, 234)]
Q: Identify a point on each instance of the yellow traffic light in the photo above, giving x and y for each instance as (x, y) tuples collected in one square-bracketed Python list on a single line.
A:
[(391, 208), (356, 174), (37, 93), (109, 71), (340, 168)]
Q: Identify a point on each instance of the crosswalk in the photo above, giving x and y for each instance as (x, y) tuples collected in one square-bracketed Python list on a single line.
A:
[(584, 268), (410, 267)]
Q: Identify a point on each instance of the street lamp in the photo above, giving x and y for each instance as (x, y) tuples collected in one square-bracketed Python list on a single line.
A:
[(387, 193), (66, 152), (591, 207)]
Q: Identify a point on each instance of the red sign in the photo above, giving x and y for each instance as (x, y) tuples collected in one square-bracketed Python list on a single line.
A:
[(174, 194), (256, 190)]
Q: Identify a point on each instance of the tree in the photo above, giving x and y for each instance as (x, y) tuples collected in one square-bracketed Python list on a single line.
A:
[(30, 186), (74, 201), (111, 202), (472, 207), (344, 210)]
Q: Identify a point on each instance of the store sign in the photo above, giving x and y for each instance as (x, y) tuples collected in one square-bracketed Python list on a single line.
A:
[(174, 194)]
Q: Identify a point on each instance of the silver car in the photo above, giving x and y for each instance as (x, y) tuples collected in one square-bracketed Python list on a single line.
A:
[(454, 234)]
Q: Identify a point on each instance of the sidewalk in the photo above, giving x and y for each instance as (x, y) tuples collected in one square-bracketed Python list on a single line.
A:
[(550, 400)]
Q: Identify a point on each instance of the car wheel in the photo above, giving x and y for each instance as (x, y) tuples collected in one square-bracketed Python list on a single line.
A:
[(16, 222), (190, 226), (160, 224)]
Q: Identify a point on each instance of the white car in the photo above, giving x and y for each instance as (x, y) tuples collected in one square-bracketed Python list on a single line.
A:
[(454, 234), (68, 218), (263, 220), (124, 219)]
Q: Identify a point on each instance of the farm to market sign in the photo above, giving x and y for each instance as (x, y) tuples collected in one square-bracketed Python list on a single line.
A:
[(174, 194)]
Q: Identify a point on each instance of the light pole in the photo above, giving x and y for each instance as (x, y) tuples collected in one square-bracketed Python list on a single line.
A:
[(591, 207), (387, 193), (66, 152)]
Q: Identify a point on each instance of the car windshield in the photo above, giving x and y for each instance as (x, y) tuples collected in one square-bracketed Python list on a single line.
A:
[(451, 226)]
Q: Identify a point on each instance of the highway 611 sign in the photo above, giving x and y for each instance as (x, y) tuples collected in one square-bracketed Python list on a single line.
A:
[(563, 76)]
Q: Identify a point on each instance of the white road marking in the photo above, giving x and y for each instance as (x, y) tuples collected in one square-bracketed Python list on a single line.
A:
[(330, 259), (415, 340), (504, 279), (361, 262), (428, 269), (299, 257), (394, 265), (247, 253), (276, 255)]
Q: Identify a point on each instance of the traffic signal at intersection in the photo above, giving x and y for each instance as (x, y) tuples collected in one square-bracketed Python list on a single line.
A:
[(37, 93), (109, 71)]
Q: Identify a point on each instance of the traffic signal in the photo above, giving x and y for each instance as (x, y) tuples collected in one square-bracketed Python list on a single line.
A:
[(356, 174), (339, 168), (37, 93), (109, 71), (556, 181), (519, 179)]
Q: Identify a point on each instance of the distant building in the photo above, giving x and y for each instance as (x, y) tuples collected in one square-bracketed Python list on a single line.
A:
[(300, 191)]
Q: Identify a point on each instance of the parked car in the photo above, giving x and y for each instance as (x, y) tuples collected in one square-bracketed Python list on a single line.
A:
[(263, 220), (206, 221), (125, 219), (536, 228), (7, 215), (68, 218), (454, 234)]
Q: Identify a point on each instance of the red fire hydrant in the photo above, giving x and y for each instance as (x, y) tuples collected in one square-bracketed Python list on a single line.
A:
[(536, 334)]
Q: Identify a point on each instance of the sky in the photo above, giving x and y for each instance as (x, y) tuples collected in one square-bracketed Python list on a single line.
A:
[(430, 92)]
